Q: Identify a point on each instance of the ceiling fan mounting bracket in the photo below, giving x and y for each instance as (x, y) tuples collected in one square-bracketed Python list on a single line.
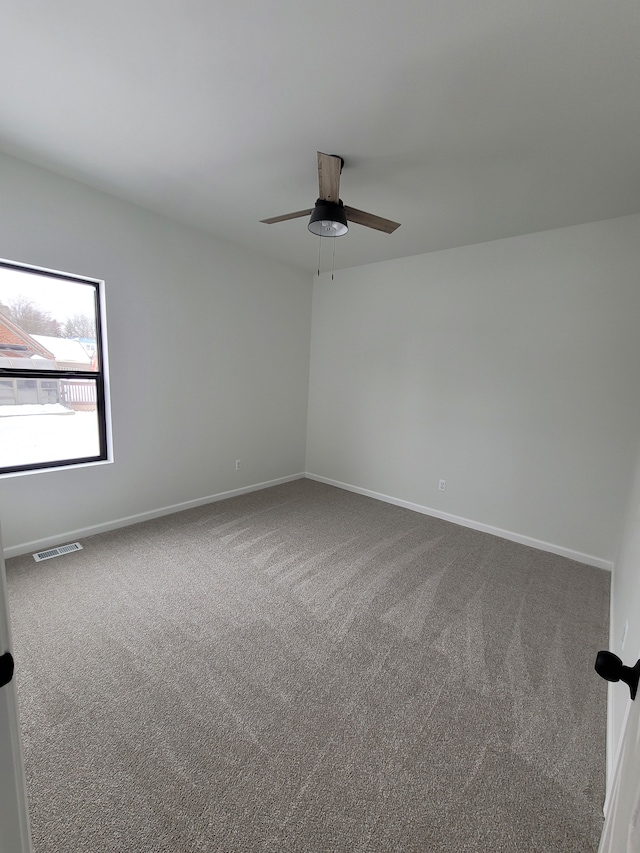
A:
[(338, 203)]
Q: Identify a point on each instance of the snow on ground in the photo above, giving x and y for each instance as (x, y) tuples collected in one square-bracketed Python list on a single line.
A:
[(45, 409), (46, 436)]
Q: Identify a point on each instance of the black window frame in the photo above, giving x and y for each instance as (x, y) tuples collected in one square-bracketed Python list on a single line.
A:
[(98, 375)]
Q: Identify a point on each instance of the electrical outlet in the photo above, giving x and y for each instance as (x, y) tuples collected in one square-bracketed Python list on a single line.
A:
[(442, 485), (237, 464)]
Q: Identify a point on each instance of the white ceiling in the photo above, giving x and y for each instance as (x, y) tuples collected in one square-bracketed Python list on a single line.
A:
[(465, 120)]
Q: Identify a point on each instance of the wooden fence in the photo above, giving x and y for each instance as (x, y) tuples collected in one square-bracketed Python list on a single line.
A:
[(78, 394)]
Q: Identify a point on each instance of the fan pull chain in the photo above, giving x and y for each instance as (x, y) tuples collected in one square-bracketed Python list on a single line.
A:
[(319, 245), (333, 261)]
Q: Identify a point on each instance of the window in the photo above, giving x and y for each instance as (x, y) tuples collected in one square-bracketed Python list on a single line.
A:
[(52, 372)]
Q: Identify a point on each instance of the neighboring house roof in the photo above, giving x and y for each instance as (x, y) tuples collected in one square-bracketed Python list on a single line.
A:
[(65, 349), (13, 336)]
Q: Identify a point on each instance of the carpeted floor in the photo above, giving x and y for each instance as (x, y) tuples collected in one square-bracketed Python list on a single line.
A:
[(306, 669)]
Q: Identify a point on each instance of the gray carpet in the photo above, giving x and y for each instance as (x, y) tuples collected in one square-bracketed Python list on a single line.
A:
[(306, 669)]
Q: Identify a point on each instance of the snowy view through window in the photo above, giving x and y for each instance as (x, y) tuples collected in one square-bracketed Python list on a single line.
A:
[(49, 400)]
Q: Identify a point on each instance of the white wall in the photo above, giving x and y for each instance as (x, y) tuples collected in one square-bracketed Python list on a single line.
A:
[(625, 609), (209, 356), (508, 368)]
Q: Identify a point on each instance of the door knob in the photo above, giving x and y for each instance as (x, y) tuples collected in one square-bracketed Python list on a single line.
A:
[(610, 667), (6, 668)]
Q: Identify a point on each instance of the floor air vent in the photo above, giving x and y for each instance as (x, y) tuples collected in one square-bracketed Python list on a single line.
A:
[(57, 552)]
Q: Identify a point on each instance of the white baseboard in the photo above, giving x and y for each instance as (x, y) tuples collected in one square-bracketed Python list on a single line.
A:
[(57, 539), (588, 559), (48, 542)]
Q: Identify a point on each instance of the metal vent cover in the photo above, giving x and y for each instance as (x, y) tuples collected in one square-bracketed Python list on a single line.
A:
[(57, 552)]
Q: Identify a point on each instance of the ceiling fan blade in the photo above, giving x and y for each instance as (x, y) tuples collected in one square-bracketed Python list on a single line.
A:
[(371, 221), (329, 168), (286, 216)]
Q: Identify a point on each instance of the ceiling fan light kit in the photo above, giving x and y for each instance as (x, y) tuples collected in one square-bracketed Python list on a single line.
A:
[(328, 219)]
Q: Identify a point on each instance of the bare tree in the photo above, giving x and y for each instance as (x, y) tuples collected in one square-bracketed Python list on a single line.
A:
[(32, 319), (80, 326)]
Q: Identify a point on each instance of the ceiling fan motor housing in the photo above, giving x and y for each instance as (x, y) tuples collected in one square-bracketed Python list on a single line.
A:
[(328, 219)]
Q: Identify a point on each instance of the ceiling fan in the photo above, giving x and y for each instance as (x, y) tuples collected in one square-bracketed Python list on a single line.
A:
[(329, 217)]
